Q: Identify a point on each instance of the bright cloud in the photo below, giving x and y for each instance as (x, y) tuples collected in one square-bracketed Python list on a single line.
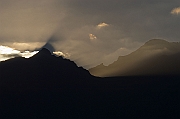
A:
[(102, 25), (59, 53), (92, 37), (26, 46), (75, 23), (176, 11), (28, 54), (7, 53), (7, 50)]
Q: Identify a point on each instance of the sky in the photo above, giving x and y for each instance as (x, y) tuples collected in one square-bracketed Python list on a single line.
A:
[(89, 32)]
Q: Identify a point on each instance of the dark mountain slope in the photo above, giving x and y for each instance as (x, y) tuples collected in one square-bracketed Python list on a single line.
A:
[(43, 63), (42, 72), (46, 86), (155, 57)]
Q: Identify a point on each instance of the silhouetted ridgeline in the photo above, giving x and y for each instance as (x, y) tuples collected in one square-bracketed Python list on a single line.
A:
[(155, 58), (46, 86)]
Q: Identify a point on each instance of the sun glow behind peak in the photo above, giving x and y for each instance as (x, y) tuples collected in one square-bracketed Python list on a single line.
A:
[(8, 53), (7, 50), (28, 54)]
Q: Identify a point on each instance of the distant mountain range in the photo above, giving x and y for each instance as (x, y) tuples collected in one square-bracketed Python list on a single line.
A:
[(155, 57), (46, 86)]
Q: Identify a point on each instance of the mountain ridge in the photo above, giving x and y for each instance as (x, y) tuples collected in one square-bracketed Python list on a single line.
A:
[(46, 86), (43, 58), (129, 65)]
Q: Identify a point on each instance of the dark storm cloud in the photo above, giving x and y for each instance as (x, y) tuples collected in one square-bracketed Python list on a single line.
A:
[(130, 23)]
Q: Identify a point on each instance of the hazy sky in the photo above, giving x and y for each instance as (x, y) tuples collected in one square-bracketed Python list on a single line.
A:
[(89, 31)]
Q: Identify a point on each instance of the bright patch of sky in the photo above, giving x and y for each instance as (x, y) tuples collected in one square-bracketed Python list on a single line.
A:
[(7, 50), (7, 53)]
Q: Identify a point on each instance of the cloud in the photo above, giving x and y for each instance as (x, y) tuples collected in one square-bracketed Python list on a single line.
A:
[(8, 50), (7, 53), (59, 53), (92, 37), (101, 25), (26, 46), (176, 11), (27, 25), (28, 54), (8, 56)]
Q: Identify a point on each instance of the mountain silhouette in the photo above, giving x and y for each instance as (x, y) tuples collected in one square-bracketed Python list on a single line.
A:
[(46, 86), (43, 63), (155, 57), (49, 47)]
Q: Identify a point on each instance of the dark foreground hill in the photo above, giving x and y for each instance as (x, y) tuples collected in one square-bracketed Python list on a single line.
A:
[(46, 86), (155, 57)]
